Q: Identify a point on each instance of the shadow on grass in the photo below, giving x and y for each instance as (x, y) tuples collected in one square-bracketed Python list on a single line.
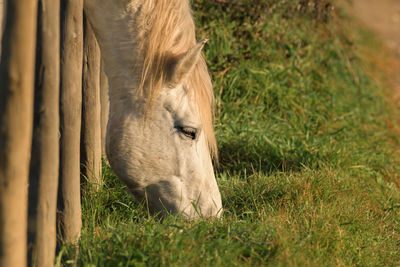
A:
[(242, 157)]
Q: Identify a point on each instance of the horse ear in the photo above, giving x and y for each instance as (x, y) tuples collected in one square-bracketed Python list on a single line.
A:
[(185, 63)]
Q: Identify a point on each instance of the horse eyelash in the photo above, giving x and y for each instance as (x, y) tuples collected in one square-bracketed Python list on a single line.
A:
[(188, 131)]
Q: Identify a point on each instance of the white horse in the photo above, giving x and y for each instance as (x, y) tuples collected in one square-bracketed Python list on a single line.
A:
[(160, 138)]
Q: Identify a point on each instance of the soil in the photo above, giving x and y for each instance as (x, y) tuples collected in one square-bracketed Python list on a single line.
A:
[(383, 18)]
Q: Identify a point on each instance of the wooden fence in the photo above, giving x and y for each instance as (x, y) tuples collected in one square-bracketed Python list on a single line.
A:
[(52, 125)]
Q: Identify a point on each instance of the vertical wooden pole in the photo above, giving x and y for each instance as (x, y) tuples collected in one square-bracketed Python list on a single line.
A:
[(91, 125), (16, 116), (43, 181), (70, 119), (105, 108)]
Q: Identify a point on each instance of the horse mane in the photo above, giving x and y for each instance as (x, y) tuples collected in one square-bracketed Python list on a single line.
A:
[(168, 32)]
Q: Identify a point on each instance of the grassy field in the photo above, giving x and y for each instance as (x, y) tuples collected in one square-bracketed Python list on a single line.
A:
[(309, 170)]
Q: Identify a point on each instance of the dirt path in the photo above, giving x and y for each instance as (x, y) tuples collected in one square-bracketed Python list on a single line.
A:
[(383, 17)]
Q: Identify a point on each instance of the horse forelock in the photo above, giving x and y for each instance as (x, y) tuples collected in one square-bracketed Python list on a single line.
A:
[(167, 31)]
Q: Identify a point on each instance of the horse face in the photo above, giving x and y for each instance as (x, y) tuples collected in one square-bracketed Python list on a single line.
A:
[(164, 159), (163, 155)]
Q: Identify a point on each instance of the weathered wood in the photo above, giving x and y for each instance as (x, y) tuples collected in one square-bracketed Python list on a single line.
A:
[(43, 180), (70, 119), (16, 116), (91, 125), (105, 108)]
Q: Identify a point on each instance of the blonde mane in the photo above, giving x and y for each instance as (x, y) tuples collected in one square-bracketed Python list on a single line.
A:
[(167, 32)]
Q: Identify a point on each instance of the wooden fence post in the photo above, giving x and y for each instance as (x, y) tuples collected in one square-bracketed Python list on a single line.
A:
[(43, 181), (70, 119), (16, 116), (91, 125), (105, 108)]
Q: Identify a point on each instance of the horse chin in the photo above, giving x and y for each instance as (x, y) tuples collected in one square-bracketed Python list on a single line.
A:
[(169, 197)]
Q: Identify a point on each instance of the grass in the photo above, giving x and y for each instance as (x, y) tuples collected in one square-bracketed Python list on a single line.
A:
[(309, 171)]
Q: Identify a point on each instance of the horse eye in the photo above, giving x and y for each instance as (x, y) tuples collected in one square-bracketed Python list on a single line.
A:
[(189, 132)]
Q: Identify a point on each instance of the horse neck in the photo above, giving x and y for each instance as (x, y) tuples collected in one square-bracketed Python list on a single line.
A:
[(117, 31)]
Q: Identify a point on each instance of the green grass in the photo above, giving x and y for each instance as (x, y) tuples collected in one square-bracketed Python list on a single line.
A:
[(308, 175)]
